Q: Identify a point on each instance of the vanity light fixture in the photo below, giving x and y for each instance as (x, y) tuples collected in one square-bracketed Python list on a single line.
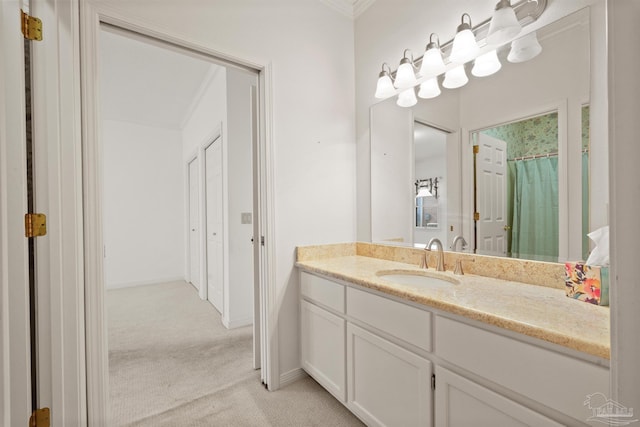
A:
[(486, 64), (429, 88), (384, 88), (465, 47), (480, 43), (524, 48), (504, 24), (432, 62), (455, 78), (407, 98), (406, 76)]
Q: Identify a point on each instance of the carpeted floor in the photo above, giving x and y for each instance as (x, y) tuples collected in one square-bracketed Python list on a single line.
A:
[(172, 363)]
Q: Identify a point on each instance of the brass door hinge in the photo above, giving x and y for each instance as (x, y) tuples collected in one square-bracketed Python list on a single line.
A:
[(40, 418), (476, 216), (35, 225), (31, 27), (476, 149)]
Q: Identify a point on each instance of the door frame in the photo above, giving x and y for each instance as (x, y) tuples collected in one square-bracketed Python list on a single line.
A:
[(15, 348), (91, 18)]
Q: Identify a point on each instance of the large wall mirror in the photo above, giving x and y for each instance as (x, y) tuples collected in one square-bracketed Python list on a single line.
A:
[(512, 155)]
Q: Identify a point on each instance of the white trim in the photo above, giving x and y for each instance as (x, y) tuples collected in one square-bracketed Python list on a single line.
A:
[(349, 8), (292, 376), (15, 373), (152, 282), (270, 344), (97, 374), (237, 323)]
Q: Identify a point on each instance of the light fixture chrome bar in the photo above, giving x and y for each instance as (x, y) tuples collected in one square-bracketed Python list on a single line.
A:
[(527, 11)]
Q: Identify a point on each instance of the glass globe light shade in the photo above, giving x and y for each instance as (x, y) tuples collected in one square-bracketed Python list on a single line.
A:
[(455, 78), (432, 62), (429, 88), (407, 98), (405, 76), (524, 48), (384, 88), (465, 47), (486, 64), (504, 24)]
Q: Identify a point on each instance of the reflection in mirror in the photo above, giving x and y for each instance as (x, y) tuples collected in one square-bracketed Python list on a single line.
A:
[(516, 189), (556, 83), (430, 171)]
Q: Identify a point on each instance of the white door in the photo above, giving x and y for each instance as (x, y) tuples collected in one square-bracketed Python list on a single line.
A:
[(491, 196), (215, 225), (194, 238)]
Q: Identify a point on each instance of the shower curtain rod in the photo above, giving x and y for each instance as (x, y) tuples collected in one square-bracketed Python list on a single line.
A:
[(540, 156)]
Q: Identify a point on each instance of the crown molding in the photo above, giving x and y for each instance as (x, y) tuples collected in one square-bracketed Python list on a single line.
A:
[(350, 8)]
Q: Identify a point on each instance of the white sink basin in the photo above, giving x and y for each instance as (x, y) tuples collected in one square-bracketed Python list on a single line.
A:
[(423, 279)]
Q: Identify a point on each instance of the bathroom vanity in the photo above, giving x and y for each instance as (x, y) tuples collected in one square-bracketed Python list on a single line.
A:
[(449, 350)]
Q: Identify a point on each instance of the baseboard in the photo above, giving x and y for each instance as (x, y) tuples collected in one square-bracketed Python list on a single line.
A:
[(143, 283), (236, 323), (292, 376)]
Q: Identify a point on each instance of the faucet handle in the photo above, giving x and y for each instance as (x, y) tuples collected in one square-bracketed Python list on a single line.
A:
[(424, 264), (458, 267), (457, 270)]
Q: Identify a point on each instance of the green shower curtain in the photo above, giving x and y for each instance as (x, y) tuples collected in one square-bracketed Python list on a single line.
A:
[(533, 208)]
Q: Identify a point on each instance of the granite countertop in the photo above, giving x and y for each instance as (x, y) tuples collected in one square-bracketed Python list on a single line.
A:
[(541, 312)]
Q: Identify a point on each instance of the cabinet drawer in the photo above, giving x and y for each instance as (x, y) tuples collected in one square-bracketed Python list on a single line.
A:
[(323, 291), (410, 324), (559, 381)]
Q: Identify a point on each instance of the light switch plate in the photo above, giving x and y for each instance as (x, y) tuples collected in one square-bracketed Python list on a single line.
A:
[(245, 218)]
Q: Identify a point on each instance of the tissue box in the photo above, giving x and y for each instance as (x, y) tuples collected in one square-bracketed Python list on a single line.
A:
[(587, 283)]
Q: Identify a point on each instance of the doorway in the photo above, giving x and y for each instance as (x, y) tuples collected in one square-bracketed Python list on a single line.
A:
[(217, 166)]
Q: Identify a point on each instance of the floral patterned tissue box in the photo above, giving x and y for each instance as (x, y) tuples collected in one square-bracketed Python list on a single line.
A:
[(587, 283)]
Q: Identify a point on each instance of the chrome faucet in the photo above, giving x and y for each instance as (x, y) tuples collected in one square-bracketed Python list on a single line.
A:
[(438, 243), (455, 242)]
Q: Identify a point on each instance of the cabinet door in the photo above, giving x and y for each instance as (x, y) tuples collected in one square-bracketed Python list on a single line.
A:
[(462, 403), (387, 385), (322, 338)]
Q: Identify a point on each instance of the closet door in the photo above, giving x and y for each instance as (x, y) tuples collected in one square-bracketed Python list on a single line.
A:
[(194, 253), (215, 225)]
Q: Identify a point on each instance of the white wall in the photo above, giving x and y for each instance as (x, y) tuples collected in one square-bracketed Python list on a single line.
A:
[(309, 47), (209, 110), (143, 210)]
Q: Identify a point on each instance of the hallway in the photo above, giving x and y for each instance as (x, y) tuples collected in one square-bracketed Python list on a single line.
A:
[(172, 362)]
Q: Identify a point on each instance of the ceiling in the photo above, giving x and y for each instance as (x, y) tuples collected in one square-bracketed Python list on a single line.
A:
[(146, 84)]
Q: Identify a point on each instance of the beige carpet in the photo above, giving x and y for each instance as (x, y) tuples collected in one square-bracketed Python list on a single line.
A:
[(172, 363)]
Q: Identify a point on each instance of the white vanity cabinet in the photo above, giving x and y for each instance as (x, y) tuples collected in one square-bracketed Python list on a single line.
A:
[(378, 355)]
